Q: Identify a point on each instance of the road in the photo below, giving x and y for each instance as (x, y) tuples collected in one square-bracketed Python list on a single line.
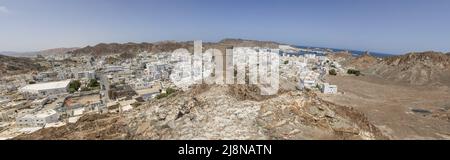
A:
[(104, 87)]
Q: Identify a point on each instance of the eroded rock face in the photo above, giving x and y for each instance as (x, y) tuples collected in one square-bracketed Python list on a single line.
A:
[(208, 115), (298, 116), (211, 112)]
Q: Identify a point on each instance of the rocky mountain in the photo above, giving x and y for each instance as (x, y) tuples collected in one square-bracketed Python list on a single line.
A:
[(55, 51), (220, 112), (18, 54), (425, 68), (130, 48), (34, 54), (166, 46), (420, 68), (248, 43), (343, 55), (362, 62), (18, 65)]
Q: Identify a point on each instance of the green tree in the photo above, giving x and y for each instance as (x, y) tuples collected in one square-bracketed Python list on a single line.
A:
[(332, 72), (93, 83), (353, 71), (74, 86), (169, 91)]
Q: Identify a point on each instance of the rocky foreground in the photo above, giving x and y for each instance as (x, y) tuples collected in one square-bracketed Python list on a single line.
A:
[(220, 112)]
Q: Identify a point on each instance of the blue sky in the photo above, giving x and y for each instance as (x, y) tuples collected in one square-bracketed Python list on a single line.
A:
[(389, 26)]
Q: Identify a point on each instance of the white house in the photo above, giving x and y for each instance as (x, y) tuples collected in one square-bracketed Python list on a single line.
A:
[(301, 65), (306, 83), (38, 119), (335, 64), (86, 75), (329, 89), (16, 105), (139, 84), (114, 68), (45, 89), (46, 76), (40, 102), (154, 70), (310, 56)]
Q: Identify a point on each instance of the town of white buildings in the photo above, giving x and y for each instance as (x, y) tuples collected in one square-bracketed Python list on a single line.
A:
[(110, 84)]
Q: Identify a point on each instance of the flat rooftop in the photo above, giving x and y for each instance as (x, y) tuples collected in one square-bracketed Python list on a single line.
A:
[(45, 86)]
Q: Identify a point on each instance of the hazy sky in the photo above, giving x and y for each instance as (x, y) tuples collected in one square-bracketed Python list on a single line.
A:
[(390, 26)]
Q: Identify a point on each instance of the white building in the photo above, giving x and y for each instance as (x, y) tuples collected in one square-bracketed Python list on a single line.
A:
[(301, 65), (310, 56), (46, 76), (329, 89), (40, 102), (86, 75), (154, 71), (38, 119), (62, 75), (126, 105), (114, 68), (45, 89), (307, 83), (336, 65), (15, 104), (140, 84)]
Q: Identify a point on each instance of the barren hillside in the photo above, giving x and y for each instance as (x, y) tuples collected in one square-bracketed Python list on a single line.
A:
[(363, 62), (166, 46), (17, 65), (426, 68)]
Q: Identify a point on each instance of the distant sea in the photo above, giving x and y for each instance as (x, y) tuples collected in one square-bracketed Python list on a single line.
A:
[(353, 52)]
